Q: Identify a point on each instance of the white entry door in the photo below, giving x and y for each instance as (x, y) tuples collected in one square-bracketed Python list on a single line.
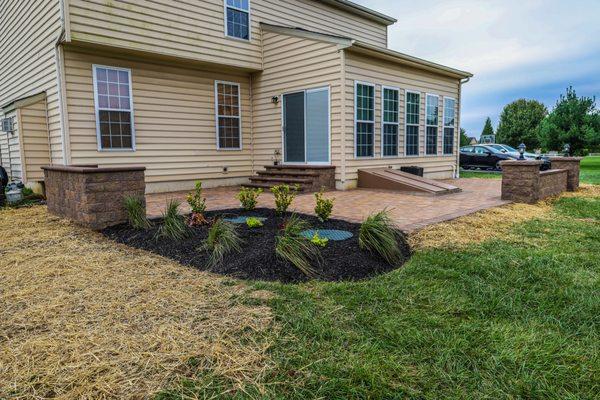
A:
[(306, 134)]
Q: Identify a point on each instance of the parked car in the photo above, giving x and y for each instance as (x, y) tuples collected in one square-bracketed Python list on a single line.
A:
[(488, 157), (529, 156)]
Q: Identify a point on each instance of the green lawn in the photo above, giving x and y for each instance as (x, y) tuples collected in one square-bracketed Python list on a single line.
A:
[(508, 318), (590, 172)]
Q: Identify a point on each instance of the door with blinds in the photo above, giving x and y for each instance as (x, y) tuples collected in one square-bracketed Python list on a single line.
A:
[(306, 127)]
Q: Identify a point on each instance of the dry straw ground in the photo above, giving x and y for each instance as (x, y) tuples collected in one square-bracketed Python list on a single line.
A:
[(82, 317), (488, 224)]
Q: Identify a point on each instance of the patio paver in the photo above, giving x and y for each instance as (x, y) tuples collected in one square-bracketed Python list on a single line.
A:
[(410, 211)]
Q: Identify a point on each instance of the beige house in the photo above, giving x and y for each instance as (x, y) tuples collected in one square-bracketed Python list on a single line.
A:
[(216, 89)]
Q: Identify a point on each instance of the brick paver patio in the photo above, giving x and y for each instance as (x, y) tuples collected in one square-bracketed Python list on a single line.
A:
[(411, 211)]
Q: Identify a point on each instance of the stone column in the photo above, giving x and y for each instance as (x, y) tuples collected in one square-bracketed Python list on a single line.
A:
[(571, 164), (521, 180)]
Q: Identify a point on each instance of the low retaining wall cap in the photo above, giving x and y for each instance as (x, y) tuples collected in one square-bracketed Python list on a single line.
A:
[(91, 169), (566, 158), (521, 162)]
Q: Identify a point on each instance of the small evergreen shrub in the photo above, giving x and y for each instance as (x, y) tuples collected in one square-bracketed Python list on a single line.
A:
[(319, 241), (173, 226), (197, 205), (136, 212), (323, 207), (222, 239), (253, 222), (378, 234), (248, 197), (284, 195), (291, 246)]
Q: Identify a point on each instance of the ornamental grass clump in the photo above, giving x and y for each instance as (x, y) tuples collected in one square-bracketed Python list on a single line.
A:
[(284, 195), (173, 226), (197, 205), (324, 206), (136, 212), (379, 235), (291, 246), (222, 239), (248, 197)]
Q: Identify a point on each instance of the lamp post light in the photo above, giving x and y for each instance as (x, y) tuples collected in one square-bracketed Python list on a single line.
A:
[(567, 150), (522, 151)]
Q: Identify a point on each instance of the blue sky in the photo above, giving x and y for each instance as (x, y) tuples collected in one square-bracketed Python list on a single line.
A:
[(516, 49)]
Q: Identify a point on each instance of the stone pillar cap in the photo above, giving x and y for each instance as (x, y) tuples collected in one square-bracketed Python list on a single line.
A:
[(91, 169), (558, 158), (522, 162)]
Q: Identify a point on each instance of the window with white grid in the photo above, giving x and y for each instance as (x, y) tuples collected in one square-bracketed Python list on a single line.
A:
[(365, 120), (389, 126), (431, 123), (449, 123), (228, 113), (413, 102), (237, 14)]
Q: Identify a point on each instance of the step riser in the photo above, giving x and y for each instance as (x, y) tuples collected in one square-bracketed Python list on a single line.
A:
[(311, 179)]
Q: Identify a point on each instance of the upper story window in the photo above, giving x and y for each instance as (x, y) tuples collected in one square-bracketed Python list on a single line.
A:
[(229, 116), (365, 119), (389, 124), (114, 108), (413, 102), (237, 18), (431, 121), (449, 123)]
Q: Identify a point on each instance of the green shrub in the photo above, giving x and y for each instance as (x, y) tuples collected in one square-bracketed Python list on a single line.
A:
[(173, 226), (291, 246), (319, 241), (284, 195), (222, 239), (248, 197), (324, 206), (197, 205), (136, 212), (253, 222), (378, 234)]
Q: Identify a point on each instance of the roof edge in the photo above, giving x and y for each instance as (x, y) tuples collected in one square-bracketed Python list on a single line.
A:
[(380, 52), (362, 11), (22, 102), (303, 33)]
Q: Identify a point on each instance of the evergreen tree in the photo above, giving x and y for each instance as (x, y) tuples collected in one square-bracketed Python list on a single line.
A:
[(464, 139), (488, 129)]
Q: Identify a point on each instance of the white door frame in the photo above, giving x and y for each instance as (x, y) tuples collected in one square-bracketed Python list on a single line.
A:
[(305, 91)]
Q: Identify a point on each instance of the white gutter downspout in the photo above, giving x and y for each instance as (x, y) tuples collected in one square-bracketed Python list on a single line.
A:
[(461, 82), (64, 36)]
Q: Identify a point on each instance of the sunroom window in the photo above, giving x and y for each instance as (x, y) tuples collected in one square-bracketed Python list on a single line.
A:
[(449, 123), (229, 128), (390, 122), (114, 105), (413, 101), (431, 120), (237, 13), (365, 119)]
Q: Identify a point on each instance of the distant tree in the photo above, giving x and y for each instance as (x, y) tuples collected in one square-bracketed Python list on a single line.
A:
[(464, 139), (519, 123), (574, 120), (488, 129)]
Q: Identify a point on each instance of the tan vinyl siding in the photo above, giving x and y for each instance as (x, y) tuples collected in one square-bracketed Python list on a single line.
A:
[(11, 148), (174, 113), (30, 29), (34, 137), (360, 68), (293, 64), (195, 29)]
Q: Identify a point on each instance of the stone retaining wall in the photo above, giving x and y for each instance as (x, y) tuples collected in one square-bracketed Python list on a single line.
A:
[(92, 196), (523, 182)]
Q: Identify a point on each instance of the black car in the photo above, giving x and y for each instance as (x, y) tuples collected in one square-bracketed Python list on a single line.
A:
[(484, 157)]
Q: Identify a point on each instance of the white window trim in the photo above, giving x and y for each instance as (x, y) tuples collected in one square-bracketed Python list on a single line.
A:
[(444, 125), (97, 109), (406, 124), (437, 142), (356, 83), (397, 89), (248, 11), (239, 116)]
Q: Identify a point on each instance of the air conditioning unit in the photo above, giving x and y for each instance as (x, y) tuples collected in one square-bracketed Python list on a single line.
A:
[(7, 125)]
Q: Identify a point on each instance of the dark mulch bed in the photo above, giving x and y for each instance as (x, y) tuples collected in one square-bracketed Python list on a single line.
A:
[(343, 260)]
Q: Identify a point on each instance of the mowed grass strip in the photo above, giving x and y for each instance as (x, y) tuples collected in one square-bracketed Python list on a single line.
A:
[(499, 319)]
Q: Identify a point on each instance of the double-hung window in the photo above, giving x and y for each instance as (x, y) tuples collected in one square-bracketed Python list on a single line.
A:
[(449, 123), (365, 119), (413, 102), (228, 116), (389, 123), (431, 124), (114, 108), (237, 18)]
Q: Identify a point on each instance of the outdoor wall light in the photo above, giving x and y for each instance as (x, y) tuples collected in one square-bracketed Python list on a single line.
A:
[(522, 151), (275, 99), (567, 149)]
